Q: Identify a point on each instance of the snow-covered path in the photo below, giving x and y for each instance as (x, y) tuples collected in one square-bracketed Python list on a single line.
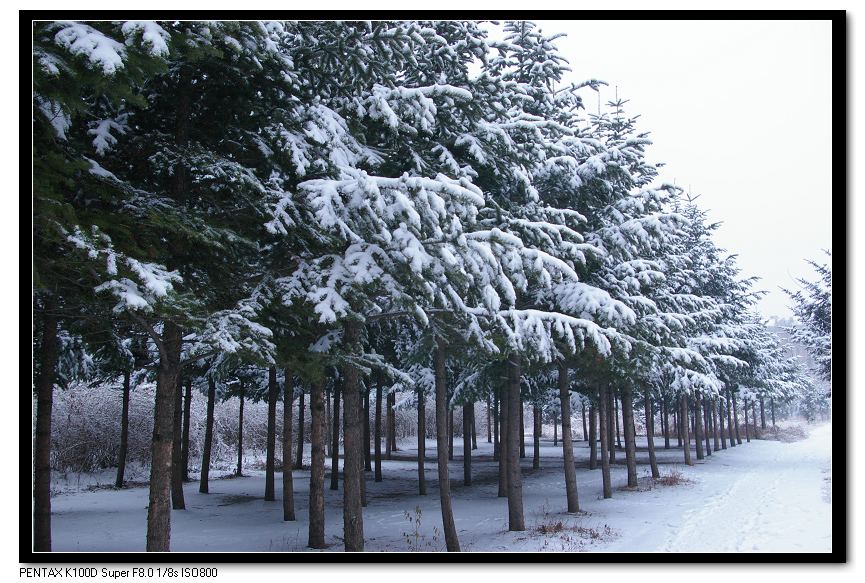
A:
[(761, 496)]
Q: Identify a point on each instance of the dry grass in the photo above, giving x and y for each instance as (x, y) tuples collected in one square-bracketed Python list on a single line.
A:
[(674, 478), (784, 434)]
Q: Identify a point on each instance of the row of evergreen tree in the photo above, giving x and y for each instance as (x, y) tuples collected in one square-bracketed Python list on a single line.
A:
[(292, 207)]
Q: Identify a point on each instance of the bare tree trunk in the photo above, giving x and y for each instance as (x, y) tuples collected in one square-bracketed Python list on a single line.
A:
[(650, 434), (772, 405), (270, 459), (184, 444), (730, 420), (616, 417), (516, 518), (496, 420), (287, 478), (698, 425), (677, 421), (450, 531), (124, 431), (450, 434), (747, 431), (378, 395), (612, 422), (328, 417), (421, 444), (301, 406), (593, 438), (736, 418), (367, 456), (167, 377), (177, 501), (606, 438), (555, 430), (334, 446), (721, 430), (627, 397), (490, 428), (204, 482), (239, 471), (467, 445), (585, 431), (715, 433), (686, 437), (707, 425), (567, 440), (522, 429), (503, 445), (393, 444), (353, 476), (49, 354), (665, 422), (316, 475), (762, 414), (474, 427), (536, 437)]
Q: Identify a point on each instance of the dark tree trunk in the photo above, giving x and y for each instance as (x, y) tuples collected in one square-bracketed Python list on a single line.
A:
[(772, 407), (490, 428), (204, 482), (522, 429), (698, 425), (612, 424), (450, 531), (555, 430), (377, 444), (474, 427), (516, 519), (736, 418), (393, 445), (665, 423), (715, 432), (49, 354), (650, 434), (593, 438), (606, 438), (124, 432), (616, 418), (177, 501), (353, 475), (686, 438), (316, 475), (421, 445), (287, 478), (450, 434), (585, 430), (270, 459), (367, 455), (167, 377), (567, 440), (747, 431), (388, 423), (184, 445), (627, 397), (301, 406), (762, 413), (503, 445), (496, 420), (707, 425), (467, 444), (677, 421), (730, 420), (536, 437), (239, 471), (334, 445), (721, 430), (328, 430)]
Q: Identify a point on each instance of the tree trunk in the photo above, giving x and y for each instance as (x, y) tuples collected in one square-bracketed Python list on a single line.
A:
[(490, 428), (747, 430), (377, 444), (612, 424), (167, 377), (650, 434), (450, 531), (516, 519), (352, 472), (567, 440), (467, 444), (503, 445), (328, 430), (665, 422), (124, 432), (301, 406), (762, 414), (316, 474), (627, 397), (593, 438), (367, 456), (450, 434), (555, 430), (334, 445), (474, 427), (270, 460), (393, 445), (721, 431), (287, 478), (686, 437), (522, 429), (536, 437), (736, 418), (677, 421), (239, 471), (585, 431), (729, 420), (177, 501), (204, 482), (698, 425), (421, 445), (496, 420), (606, 438), (707, 425), (772, 407), (48, 357), (616, 417), (715, 432), (184, 445)]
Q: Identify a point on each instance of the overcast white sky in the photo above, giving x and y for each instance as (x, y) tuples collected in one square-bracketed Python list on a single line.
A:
[(738, 110)]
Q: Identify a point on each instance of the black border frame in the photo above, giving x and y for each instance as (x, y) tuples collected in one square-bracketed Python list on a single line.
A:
[(840, 217)]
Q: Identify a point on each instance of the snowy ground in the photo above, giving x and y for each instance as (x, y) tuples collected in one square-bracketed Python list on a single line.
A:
[(760, 496)]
